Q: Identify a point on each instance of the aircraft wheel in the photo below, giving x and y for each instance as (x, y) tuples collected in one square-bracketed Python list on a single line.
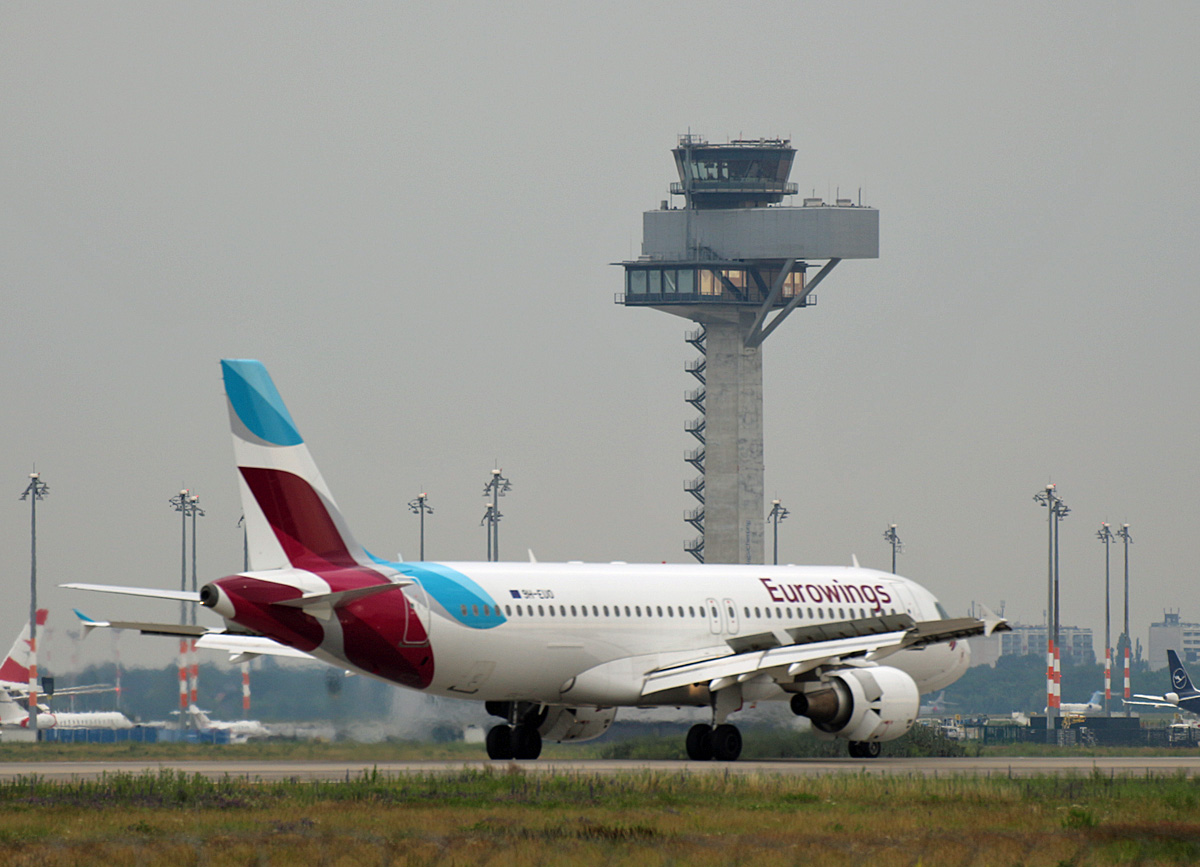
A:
[(727, 743), (855, 749), (871, 749), (700, 743), (500, 742), (527, 742)]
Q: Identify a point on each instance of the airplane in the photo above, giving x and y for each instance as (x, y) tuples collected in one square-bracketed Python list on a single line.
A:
[(1184, 697), (555, 649), (14, 671), (239, 730), (12, 714), (1092, 705), (937, 705)]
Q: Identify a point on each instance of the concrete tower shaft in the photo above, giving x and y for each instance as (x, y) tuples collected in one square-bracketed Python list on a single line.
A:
[(736, 260)]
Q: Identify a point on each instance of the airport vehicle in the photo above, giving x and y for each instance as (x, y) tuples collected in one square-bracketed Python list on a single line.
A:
[(554, 649), (1183, 697)]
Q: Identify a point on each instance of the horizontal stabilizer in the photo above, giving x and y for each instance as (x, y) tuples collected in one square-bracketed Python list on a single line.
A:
[(176, 595), (336, 600), (236, 644)]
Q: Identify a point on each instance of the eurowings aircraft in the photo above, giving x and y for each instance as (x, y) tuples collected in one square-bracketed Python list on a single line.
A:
[(555, 649), (1184, 697)]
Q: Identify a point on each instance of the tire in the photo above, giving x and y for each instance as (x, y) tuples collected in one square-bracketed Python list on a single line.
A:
[(727, 743), (700, 743), (527, 742), (500, 742), (871, 749)]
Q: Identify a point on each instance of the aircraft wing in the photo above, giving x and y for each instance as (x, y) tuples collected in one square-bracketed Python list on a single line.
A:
[(793, 660), (154, 593)]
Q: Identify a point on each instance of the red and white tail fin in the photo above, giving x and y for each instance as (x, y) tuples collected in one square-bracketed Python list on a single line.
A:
[(14, 672), (291, 518)]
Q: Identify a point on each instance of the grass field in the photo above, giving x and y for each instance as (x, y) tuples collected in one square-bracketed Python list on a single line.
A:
[(511, 818)]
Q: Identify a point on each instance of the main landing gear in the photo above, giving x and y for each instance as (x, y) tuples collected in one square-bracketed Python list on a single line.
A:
[(864, 749), (513, 742), (520, 738), (723, 743)]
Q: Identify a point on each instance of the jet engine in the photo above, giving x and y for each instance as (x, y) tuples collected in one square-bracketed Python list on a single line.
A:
[(861, 704), (563, 724)]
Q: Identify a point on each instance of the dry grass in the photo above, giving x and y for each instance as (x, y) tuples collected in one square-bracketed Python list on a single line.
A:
[(516, 819)]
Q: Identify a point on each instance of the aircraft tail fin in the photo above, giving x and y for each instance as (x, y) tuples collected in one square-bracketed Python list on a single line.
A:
[(15, 668), (291, 517), (11, 713), (1180, 682)]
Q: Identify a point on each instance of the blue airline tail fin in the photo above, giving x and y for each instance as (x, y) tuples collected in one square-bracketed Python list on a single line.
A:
[(1180, 682)]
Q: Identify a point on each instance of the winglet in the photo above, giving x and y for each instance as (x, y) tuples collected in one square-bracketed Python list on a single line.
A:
[(88, 623), (991, 620), (854, 561)]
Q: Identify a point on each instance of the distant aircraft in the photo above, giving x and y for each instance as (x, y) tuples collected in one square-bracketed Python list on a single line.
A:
[(555, 648), (13, 715), (239, 730), (1184, 696), (937, 705), (1092, 705), (14, 671)]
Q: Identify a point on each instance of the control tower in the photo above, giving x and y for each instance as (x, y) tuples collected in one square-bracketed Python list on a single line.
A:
[(737, 261)]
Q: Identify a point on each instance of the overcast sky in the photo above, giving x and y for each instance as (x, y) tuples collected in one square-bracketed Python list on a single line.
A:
[(409, 213)]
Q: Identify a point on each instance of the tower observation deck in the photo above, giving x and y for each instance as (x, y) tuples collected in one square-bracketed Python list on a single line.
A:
[(736, 260)]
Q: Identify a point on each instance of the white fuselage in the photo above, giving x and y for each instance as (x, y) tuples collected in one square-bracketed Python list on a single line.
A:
[(546, 624)]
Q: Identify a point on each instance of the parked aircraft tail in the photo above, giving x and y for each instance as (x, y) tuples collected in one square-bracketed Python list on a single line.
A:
[(1180, 682), (15, 668)]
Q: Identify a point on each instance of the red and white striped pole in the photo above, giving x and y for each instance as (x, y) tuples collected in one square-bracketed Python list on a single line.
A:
[(183, 685), (245, 690), (1107, 675), (1049, 674), (1127, 673), (1057, 678), (195, 672)]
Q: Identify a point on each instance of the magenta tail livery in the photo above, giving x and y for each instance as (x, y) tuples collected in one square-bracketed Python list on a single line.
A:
[(555, 649)]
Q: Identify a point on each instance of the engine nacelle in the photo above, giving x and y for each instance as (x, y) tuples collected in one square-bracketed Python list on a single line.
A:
[(572, 724), (861, 704)]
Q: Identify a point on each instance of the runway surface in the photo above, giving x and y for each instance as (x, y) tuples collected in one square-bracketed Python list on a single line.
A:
[(314, 770)]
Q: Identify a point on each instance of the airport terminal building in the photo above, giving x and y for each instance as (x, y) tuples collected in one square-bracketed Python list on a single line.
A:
[(1026, 640), (1173, 634)]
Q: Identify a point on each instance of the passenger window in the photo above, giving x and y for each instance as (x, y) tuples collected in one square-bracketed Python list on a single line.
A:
[(596, 611), (747, 610), (627, 614), (841, 614), (670, 612), (757, 613), (464, 611), (541, 611), (475, 610), (638, 610), (768, 613), (550, 608), (573, 614), (606, 611), (691, 611), (508, 610), (715, 615), (659, 611), (487, 611), (562, 609)]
